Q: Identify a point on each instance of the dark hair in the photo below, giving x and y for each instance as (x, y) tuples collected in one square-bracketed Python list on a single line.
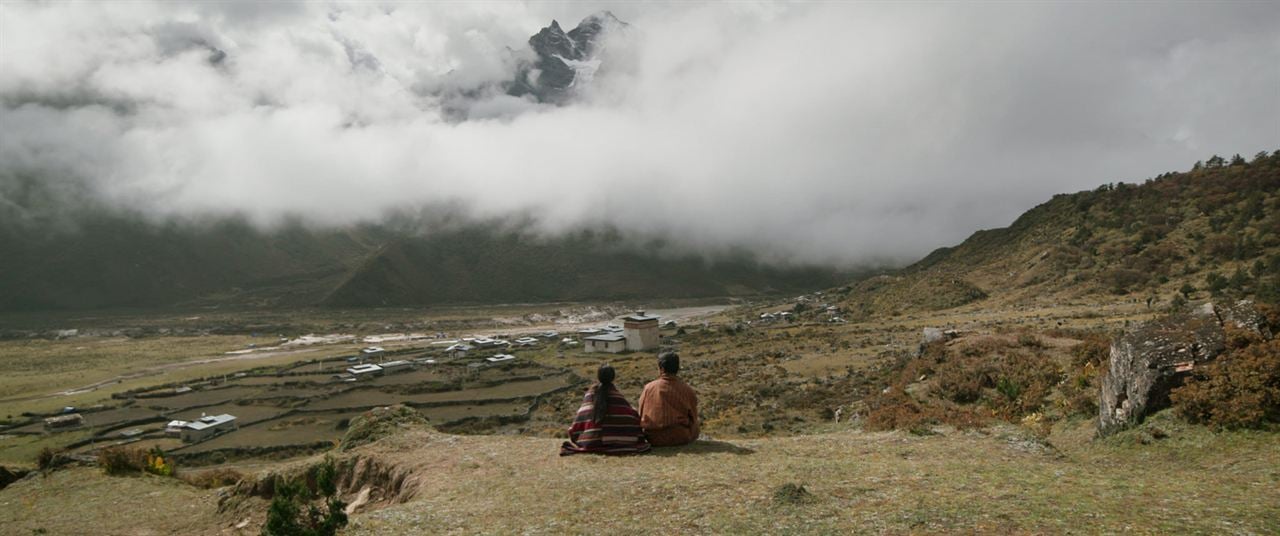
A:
[(669, 362), (600, 400)]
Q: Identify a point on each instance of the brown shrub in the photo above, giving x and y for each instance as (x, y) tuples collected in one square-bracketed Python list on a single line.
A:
[(1094, 349), (1080, 391), (1029, 340), (962, 379), (1022, 382), (1239, 390), (45, 459), (896, 410), (213, 478), (1239, 338), (122, 460)]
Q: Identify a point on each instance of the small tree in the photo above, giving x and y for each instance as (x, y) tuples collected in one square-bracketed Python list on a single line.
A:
[(1215, 283), (1239, 279), (1215, 161), (292, 512), (1186, 290), (1237, 160)]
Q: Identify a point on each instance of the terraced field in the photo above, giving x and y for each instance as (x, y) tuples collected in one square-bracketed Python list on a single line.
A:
[(291, 408)]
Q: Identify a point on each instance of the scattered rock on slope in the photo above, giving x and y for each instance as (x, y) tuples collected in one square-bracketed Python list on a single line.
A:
[(1150, 360)]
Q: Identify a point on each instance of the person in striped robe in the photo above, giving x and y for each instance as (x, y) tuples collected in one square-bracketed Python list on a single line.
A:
[(609, 428)]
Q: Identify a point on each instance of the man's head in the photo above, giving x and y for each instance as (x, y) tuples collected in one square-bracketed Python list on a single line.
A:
[(669, 362)]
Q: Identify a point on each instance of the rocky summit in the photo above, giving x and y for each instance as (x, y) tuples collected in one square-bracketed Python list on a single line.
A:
[(561, 57)]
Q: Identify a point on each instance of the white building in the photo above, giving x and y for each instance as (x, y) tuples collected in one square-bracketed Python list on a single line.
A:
[(372, 352), (641, 331), (64, 422), (607, 342), (396, 366), (486, 342), (207, 427), (500, 358), (365, 370), (174, 428)]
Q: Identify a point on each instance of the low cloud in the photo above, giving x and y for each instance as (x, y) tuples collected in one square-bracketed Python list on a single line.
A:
[(820, 133)]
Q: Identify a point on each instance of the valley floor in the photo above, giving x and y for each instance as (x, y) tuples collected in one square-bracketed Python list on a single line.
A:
[(993, 481)]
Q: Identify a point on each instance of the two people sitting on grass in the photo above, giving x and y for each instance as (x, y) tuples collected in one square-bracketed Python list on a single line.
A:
[(668, 414)]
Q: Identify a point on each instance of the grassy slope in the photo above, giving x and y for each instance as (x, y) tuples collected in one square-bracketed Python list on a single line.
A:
[(993, 481), (1124, 239), (488, 265), (116, 261)]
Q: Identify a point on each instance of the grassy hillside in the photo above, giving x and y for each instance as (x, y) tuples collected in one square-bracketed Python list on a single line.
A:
[(1214, 230), (482, 264), (110, 260), (114, 261), (994, 481)]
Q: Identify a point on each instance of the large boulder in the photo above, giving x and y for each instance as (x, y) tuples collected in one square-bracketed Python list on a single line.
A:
[(1148, 361)]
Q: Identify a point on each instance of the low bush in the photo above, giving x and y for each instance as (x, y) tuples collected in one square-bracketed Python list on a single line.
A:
[(896, 410), (1094, 349), (792, 494), (1080, 391), (1011, 384), (157, 464), (1241, 389), (122, 460), (213, 478), (1028, 340), (292, 512), (47, 458)]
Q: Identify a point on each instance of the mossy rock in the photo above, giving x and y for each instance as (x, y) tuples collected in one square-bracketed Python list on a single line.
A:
[(379, 423)]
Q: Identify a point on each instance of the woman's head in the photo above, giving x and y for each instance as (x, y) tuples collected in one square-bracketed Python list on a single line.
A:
[(605, 374), (600, 401)]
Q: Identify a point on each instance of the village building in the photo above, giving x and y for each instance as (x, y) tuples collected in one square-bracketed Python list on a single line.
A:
[(372, 352), (207, 427), (396, 366), (64, 422), (500, 358), (458, 349), (606, 342), (366, 370), (486, 342), (174, 428), (641, 331), (526, 341)]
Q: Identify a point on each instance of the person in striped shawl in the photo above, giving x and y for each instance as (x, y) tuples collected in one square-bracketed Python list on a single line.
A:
[(609, 428)]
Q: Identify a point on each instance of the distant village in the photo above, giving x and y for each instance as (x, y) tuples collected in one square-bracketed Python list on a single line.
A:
[(193, 413)]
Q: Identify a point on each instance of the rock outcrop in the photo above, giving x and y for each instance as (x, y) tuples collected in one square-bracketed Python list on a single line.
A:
[(562, 58), (1147, 362)]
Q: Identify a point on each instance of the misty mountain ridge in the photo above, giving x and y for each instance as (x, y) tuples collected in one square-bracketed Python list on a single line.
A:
[(110, 259), (563, 58)]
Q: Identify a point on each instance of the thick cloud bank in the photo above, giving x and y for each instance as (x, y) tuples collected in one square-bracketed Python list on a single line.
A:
[(824, 132)]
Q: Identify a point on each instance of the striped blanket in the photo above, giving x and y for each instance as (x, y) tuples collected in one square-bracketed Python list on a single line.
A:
[(619, 433)]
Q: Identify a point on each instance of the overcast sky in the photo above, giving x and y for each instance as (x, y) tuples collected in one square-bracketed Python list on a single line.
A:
[(817, 132)]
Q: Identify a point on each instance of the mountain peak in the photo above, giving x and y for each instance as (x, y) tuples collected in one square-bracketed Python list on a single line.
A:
[(550, 76)]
